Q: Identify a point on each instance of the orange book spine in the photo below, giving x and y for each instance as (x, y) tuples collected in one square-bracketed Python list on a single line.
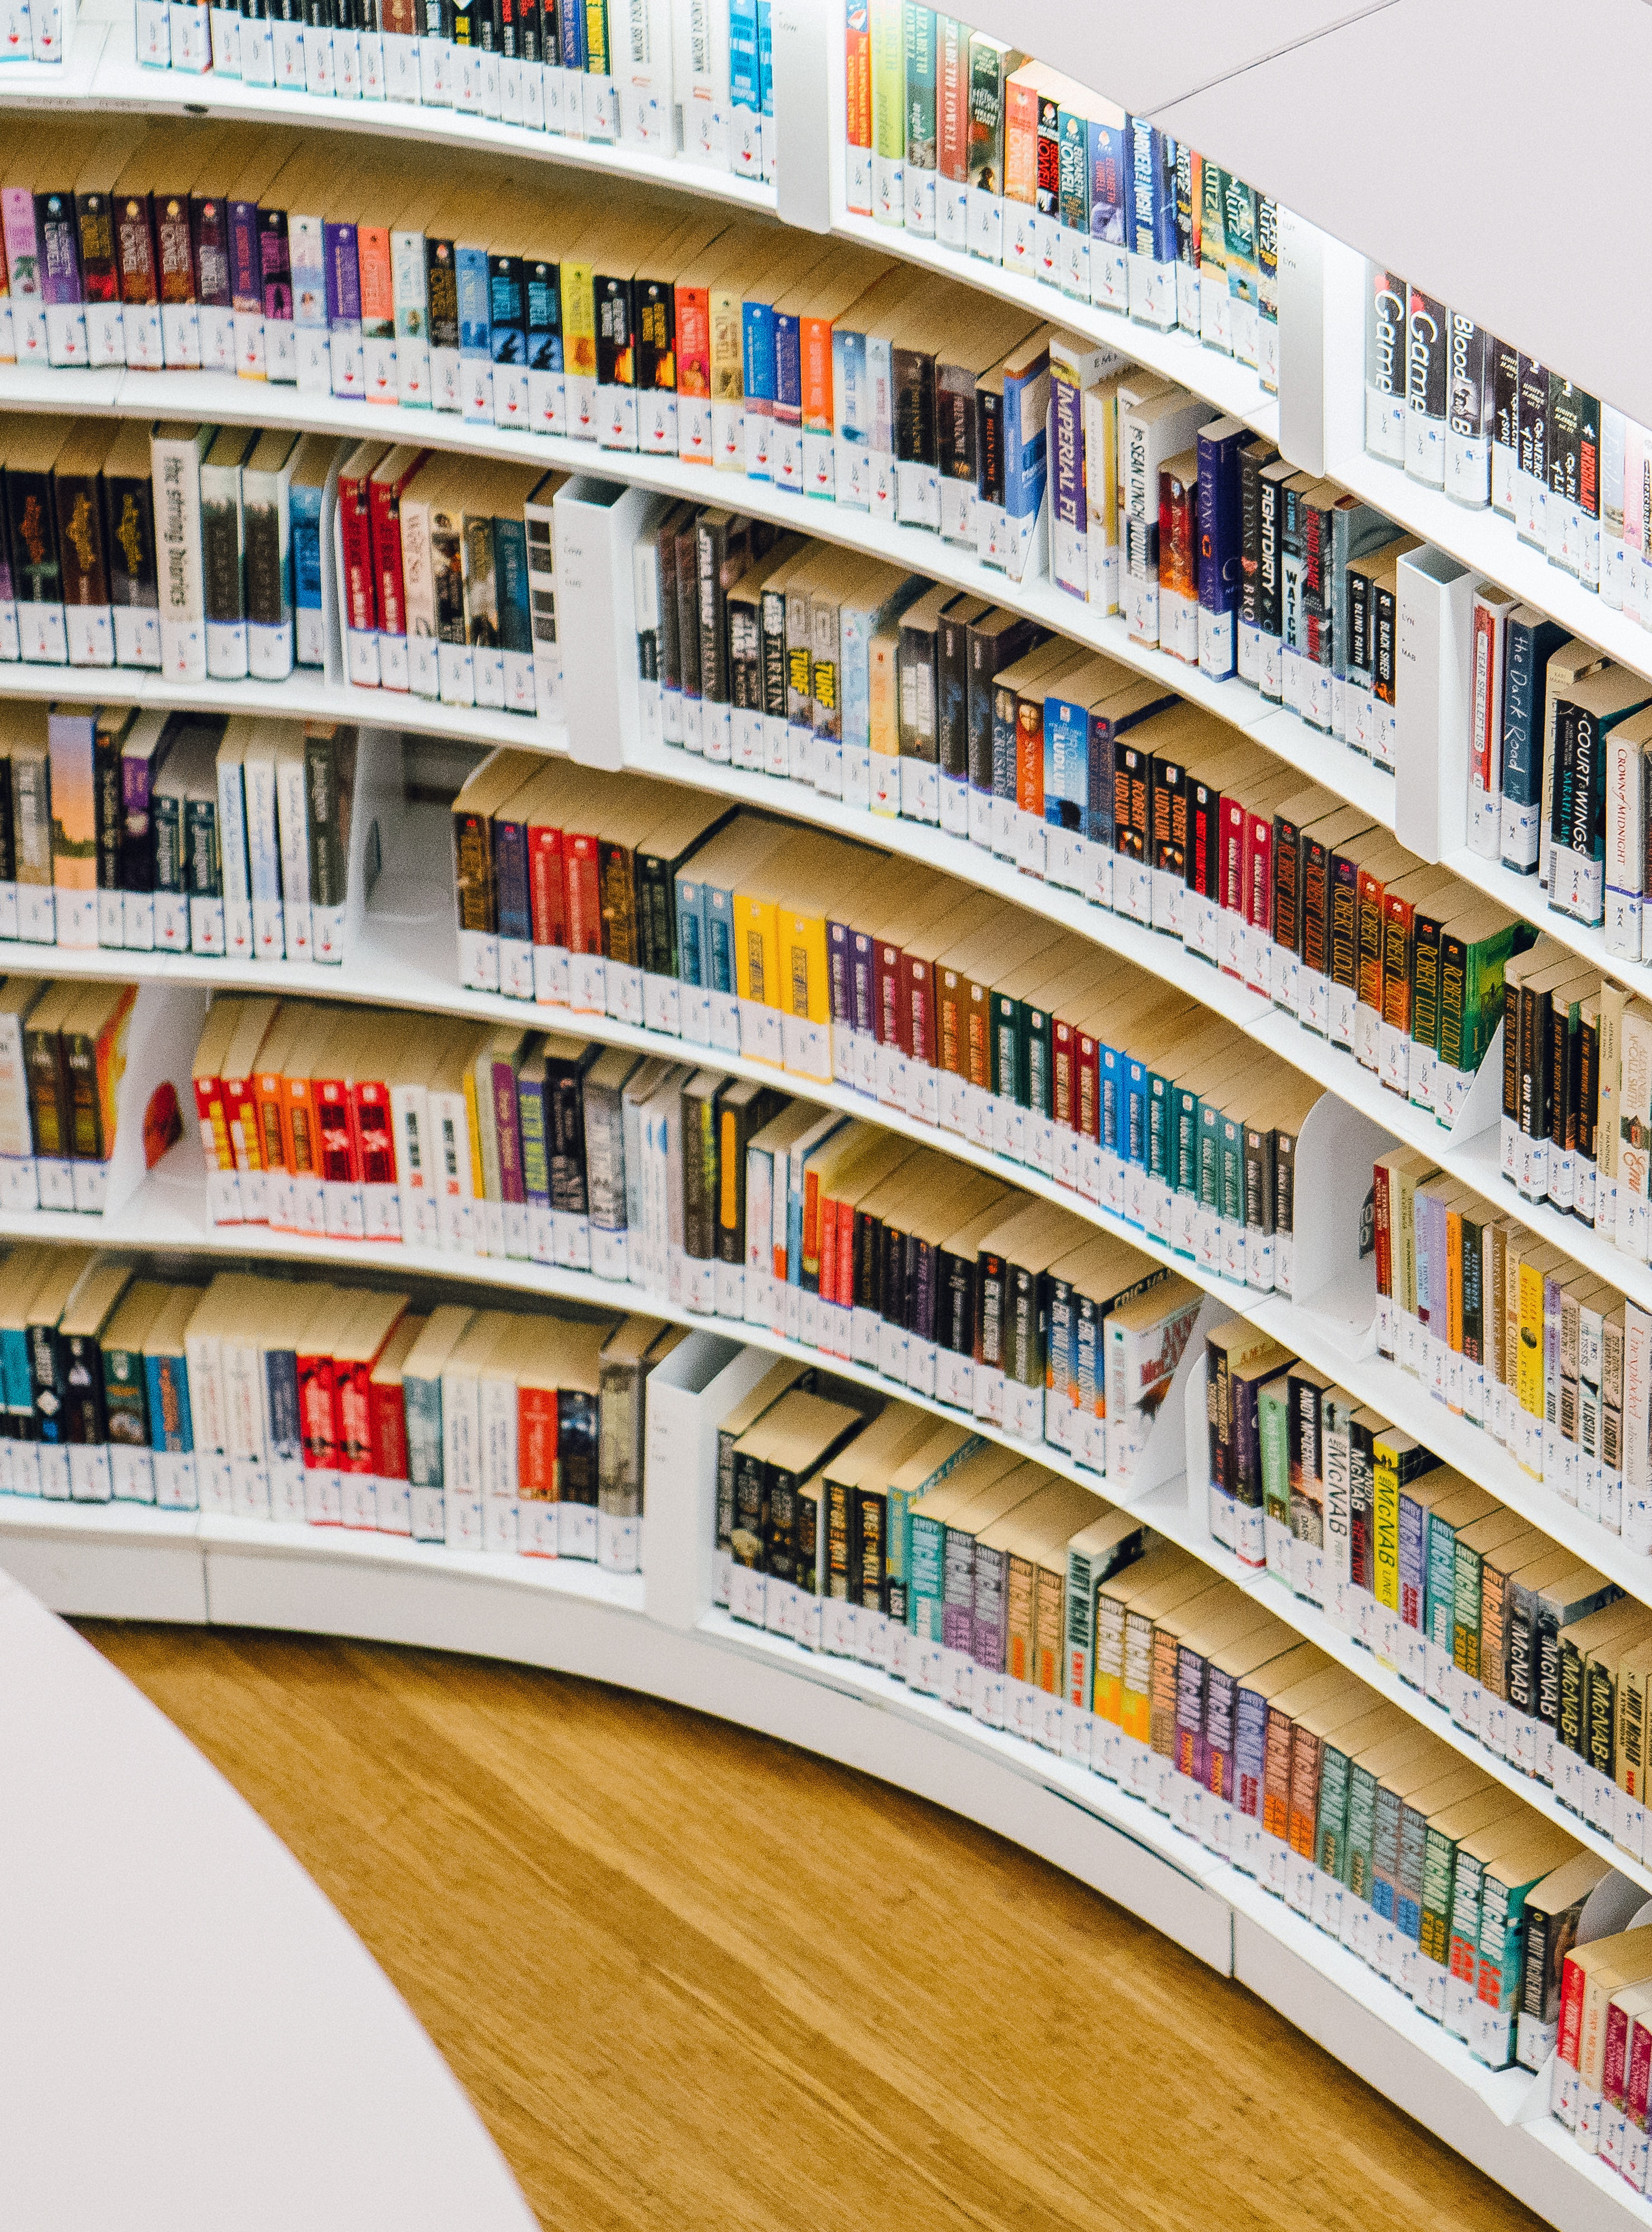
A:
[(1021, 142), (536, 1430), (817, 375)]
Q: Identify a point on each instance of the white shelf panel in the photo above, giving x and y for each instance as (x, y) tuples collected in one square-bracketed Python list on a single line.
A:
[(104, 74), (864, 1719)]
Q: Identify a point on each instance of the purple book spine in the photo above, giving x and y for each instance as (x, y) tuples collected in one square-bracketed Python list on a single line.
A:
[(1221, 524), (924, 1291), (530, 1095), (1216, 1762), (137, 838), (1189, 1710), (840, 974), (864, 979), (510, 1137), (1250, 1751), (23, 242), (343, 275), (958, 1586), (987, 1639), (275, 264), (60, 260), (246, 260)]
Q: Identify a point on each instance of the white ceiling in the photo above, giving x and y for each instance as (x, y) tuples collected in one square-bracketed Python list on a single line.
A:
[(1489, 149)]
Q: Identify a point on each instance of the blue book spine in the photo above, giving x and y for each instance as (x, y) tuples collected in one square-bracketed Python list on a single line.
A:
[(1221, 524), (1003, 749), (570, 19), (852, 401), (1109, 178), (1098, 807), (745, 89), (1134, 1149), (690, 933), (794, 1231), (1413, 1570), (1066, 763), (1026, 443), (475, 325), (765, 62), (281, 1381), (18, 1387), (1143, 177), (304, 517), (544, 305), (1530, 649), (507, 310), (513, 906), (170, 1424), (757, 343), (719, 938), (788, 368), (422, 1408), (343, 279), (1110, 1067), (510, 569)]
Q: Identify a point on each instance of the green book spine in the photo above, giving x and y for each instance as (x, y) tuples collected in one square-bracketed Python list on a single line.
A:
[(1330, 1833), (1361, 1830), (1439, 1872), (1274, 1409), (928, 1583)]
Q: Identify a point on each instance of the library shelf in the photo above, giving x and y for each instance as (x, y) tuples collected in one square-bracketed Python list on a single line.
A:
[(601, 1628), (404, 956), (234, 2007), (168, 1217), (220, 397), (104, 75)]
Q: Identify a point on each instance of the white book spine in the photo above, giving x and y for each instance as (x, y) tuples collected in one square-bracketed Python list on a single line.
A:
[(292, 809), (263, 858), (411, 299), (176, 468), (462, 1459), (498, 1424), (418, 597), (232, 852), (204, 1355)]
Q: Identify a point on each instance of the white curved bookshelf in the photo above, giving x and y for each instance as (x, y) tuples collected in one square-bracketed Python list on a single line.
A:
[(406, 958), (131, 1562), (374, 1588)]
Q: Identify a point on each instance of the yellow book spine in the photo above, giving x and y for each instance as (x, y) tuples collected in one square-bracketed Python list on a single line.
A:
[(1453, 1280), (1529, 1385), (884, 711), (1385, 1527), (727, 353), (1108, 1684), (579, 321), (803, 987), (755, 954), (1136, 1694), (477, 1193)]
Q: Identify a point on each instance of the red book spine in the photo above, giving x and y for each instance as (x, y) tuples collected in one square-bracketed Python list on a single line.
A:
[(1062, 1042), (1613, 2073), (315, 1412), (1259, 870), (242, 1119), (352, 1413), (375, 1137), (134, 241), (336, 1158), (546, 891), (389, 1430), (917, 1010), (694, 342), (355, 528), (1569, 2030), (829, 1250), (216, 1145), (1640, 2077), (583, 892), (1483, 699), (536, 1431), (1382, 1217), (384, 521), (1029, 755), (1230, 888), (845, 1288), (175, 255), (856, 60), (1089, 1108)]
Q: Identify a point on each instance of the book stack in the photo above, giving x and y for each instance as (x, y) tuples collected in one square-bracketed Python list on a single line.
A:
[(958, 139), (297, 1401), (1595, 2008), (175, 832), (638, 76), (220, 553), (36, 30), (63, 1051)]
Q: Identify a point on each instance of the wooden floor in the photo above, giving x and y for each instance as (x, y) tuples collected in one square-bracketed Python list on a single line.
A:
[(692, 1977)]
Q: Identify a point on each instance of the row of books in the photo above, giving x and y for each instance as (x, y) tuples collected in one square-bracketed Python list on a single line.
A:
[(1198, 833), (175, 832), (1558, 784), (719, 1194), (980, 1579), (63, 1049), (1577, 1099), (1508, 1332), (35, 30), (207, 552), (1461, 410), (947, 1004), (298, 1401), (1473, 1608), (959, 138), (662, 80), (1603, 2048)]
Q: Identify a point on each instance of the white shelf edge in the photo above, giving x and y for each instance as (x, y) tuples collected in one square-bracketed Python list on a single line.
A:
[(844, 1711)]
